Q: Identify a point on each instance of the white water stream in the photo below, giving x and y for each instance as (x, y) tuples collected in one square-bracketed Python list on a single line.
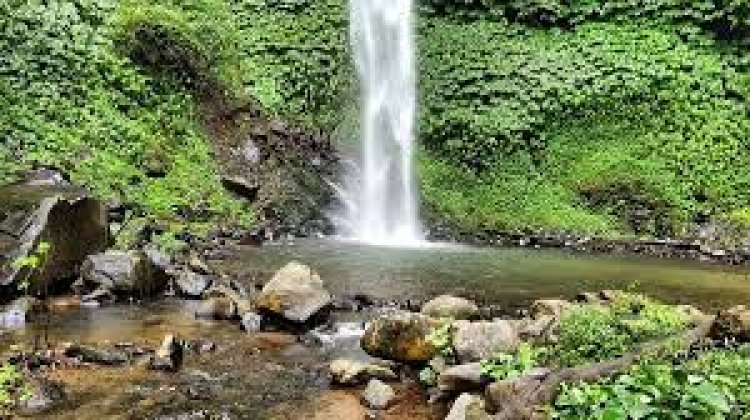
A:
[(381, 207)]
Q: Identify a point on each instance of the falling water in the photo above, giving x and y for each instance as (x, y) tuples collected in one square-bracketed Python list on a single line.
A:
[(383, 202)]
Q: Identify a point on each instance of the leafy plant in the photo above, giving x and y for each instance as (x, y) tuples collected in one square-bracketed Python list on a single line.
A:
[(13, 386), (649, 390), (441, 337), (32, 262), (597, 333), (512, 365)]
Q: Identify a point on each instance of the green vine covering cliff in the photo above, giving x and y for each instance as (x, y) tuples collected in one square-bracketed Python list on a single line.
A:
[(611, 117)]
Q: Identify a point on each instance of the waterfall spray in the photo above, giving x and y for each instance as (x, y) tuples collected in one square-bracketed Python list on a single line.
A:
[(382, 206)]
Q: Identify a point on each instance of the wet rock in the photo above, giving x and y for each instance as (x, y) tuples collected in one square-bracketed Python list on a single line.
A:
[(217, 308), (74, 224), (378, 395), (474, 341), (251, 322), (199, 266), (241, 187), (462, 378), (242, 303), (159, 259), (20, 311), (169, 355), (353, 372), (549, 307), (88, 354), (44, 396), (190, 284), (733, 323), (468, 407), (400, 336), (446, 306), (127, 272), (98, 297), (295, 293)]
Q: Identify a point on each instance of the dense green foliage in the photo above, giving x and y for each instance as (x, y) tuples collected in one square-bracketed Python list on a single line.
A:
[(609, 126), (594, 333), (648, 391), (512, 365), (73, 97), (295, 58), (715, 385)]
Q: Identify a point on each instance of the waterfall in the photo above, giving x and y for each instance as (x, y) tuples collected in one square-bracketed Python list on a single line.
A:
[(382, 201)]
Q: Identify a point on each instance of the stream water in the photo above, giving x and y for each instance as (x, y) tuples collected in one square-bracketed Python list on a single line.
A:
[(505, 277)]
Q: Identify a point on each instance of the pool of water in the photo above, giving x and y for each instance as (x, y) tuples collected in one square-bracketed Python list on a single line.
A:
[(498, 276)]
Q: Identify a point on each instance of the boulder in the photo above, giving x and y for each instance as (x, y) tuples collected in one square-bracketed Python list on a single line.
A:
[(468, 407), (20, 311), (446, 306), (68, 219), (353, 372), (462, 378), (400, 336), (378, 395), (733, 323), (128, 272), (190, 284), (295, 293), (217, 308), (549, 307), (474, 341)]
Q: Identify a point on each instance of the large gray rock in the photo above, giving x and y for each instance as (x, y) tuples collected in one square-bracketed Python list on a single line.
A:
[(468, 407), (378, 395), (462, 378), (295, 292), (354, 372), (474, 341), (123, 271), (447, 306), (400, 336), (73, 223)]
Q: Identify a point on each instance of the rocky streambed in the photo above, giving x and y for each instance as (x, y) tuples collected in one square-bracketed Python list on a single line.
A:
[(317, 329)]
